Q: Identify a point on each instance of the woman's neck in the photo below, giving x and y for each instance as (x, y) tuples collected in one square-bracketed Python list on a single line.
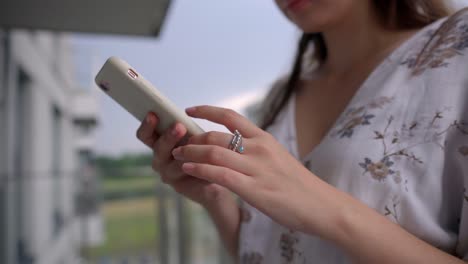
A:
[(357, 41)]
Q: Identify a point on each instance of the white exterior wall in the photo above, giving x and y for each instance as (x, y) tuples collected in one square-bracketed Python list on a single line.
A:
[(35, 55), (85, 111), (85, 107), (7, 191), (45, 59)]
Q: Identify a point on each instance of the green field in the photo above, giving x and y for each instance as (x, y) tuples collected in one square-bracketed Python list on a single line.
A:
[(130, 217), (130, 228), (128, 184)]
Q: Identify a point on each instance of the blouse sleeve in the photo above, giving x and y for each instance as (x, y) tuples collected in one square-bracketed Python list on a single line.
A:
[(455, 180), (460, 144)]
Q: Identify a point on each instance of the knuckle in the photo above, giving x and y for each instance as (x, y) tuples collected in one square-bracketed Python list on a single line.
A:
[(210, 138), (261, 149), (214, 155), (229, 115), (224, 176)]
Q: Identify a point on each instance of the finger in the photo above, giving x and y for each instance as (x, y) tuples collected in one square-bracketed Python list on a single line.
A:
[(220, 139), (146, 131), (189, 184), (169, 172), (211, 138), (227, 117), (215, 155), (205, 191), (174, 169), (236, 182), (163, 146)]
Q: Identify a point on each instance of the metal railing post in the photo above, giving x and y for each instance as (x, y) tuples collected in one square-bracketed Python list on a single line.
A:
[(161, 209)]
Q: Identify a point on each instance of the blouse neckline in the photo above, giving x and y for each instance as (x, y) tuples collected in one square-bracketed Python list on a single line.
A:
[(381, 68)]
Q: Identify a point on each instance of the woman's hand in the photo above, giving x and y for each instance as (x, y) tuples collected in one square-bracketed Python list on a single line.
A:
[(198, 190), (270, 179), (265, 174), (218, 201)]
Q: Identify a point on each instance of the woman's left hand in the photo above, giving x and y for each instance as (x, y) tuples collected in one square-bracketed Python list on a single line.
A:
[(265, 175)]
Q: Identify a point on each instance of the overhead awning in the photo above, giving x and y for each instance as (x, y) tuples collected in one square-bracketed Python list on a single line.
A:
[(129, 17)]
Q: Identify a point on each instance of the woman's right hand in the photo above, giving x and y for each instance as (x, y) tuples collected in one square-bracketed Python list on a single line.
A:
[(205, 193), (217, 200)]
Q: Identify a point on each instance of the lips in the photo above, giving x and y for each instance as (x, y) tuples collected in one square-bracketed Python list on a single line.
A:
[(296, 5)]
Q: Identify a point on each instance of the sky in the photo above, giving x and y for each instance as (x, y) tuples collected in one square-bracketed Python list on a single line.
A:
[(216, 52)]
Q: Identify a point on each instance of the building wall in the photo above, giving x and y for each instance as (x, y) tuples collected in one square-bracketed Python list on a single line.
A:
[(2, 121), (5, 190), (37, 148)]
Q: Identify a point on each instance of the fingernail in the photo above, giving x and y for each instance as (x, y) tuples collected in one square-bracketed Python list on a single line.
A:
[(191, 110), (148, 119), (174, 131), (187, 167), (177, 153)]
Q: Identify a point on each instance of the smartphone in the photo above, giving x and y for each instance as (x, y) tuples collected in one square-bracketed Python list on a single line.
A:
[(138, 96)]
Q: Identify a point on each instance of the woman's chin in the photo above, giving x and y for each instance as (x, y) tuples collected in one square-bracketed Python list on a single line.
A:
[(314, 25), (310, 28)]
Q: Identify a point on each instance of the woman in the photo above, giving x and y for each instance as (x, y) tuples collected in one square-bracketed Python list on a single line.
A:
[(363, 155)]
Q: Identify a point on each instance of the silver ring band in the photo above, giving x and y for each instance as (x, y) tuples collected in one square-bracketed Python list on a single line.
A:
[(236, 142)]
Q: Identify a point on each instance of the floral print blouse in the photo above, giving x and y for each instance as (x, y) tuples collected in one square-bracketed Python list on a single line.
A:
[(400, 147)]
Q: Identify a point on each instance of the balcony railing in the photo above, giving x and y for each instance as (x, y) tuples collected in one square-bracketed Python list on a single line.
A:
[(142, 219)]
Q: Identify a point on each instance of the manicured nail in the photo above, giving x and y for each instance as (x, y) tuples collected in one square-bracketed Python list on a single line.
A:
[(175, 131), (177, 153), (191, 110), (188, 167)]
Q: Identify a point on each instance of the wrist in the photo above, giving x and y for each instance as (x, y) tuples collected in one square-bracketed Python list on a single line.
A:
[(328, 210), (218, 201), (343, 218)]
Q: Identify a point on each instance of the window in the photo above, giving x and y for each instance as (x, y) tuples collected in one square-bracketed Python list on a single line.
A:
[(19, 178), (85, 158), (3, 61), (3, 224), (57, 215)]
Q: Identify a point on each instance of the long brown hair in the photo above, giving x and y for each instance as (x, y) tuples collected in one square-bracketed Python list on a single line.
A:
[(393, 14)]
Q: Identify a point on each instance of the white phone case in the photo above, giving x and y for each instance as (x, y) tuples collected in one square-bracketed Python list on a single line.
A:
[(138, 96)]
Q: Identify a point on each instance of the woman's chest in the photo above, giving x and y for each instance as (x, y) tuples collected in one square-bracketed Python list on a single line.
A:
[(388, 151), (315, 111)]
